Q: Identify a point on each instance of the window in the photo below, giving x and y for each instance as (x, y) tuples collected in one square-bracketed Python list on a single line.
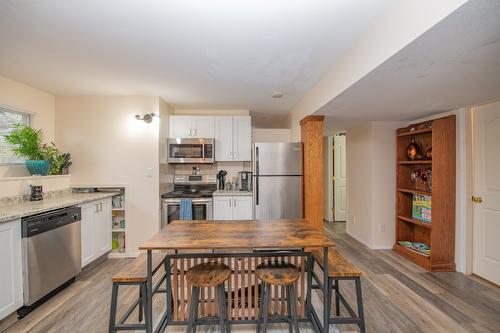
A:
[(7, 120)]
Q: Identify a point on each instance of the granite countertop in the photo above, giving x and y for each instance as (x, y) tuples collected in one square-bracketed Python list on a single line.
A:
[(231, 193), (13, 208)]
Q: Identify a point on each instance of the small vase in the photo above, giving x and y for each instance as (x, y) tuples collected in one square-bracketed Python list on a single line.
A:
[(38, 167)]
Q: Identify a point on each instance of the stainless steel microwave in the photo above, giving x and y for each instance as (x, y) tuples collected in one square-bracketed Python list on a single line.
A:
[(184, 150)]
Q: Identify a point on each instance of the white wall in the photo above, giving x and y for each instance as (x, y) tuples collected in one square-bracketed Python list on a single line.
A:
[(393, 31), (18, 96), (271, 135), (371, 177), (109, 146), (212, 112), (14, 186), (166, 171)]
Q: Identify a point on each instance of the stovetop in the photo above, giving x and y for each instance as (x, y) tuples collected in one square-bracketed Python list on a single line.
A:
[(189, 194), (191, 191)]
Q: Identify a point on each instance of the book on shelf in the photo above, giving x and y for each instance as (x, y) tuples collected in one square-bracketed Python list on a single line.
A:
[(422, 208), (420, 248)]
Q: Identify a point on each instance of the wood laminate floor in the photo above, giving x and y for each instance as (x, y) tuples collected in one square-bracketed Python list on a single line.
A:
[(398, 297)]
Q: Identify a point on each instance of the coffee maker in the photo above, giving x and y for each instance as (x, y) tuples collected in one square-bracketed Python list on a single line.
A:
[(245, 181), (36, 192)]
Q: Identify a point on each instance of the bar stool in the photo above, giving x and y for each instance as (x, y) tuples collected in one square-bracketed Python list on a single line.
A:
[(282, 274), (209, 275)]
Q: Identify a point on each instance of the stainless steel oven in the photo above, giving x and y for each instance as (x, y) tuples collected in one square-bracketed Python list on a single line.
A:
[(191, 150), (171, 207)]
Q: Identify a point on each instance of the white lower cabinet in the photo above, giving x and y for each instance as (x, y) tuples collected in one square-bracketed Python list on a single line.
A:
[(233, 207), (96, 230), (11, 278)]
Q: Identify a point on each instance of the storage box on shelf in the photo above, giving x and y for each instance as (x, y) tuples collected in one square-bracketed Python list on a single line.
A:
[(439, 234)]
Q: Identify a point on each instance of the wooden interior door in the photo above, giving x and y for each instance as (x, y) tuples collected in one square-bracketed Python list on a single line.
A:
[(340, 182), (486, 258)]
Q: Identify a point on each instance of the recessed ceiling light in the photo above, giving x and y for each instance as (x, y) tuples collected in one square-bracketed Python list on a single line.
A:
[(277, 94)]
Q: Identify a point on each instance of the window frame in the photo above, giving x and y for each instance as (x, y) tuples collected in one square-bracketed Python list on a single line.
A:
[(27, 114)]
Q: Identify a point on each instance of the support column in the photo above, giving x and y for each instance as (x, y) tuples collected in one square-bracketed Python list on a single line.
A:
[(312, 139)]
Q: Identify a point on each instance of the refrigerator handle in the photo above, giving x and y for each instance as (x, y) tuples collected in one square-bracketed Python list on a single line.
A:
[(256, 160), (256, 190), (257, 174)]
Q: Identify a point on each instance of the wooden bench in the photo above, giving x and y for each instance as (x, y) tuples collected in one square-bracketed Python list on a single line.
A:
[(339, 269), (135, 273)]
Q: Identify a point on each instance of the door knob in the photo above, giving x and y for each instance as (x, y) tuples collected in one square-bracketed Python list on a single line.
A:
[(477, 199)]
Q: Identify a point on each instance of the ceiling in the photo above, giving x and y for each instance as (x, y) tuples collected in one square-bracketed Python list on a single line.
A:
[(454, 64), (194, 54)]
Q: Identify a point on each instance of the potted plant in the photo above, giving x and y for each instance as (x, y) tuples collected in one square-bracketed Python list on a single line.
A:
[(27, 143)]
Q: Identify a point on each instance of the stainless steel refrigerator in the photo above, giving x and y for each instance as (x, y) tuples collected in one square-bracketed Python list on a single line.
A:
[(277, 180)]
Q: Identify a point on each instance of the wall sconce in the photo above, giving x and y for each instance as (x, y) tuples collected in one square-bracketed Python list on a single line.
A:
[(147, 118)]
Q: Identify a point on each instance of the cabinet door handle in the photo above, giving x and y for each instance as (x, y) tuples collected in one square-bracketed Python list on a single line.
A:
[(96, 208), (234, 202), (230, 205), (100, 206)]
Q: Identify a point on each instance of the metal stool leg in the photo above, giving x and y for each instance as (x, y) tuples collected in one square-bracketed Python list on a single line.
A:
[(141, 304), (267, 295), (112, 312), (144, 292), (289, 307), (328, 303), (293, 304), (336, 287), (359, 298), (222, 300), (193, 309)]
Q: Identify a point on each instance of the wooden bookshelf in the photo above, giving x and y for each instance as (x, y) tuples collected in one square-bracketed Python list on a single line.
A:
[(439, 135)]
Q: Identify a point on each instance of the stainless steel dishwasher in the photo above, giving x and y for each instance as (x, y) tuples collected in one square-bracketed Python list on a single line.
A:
[(51, 247)]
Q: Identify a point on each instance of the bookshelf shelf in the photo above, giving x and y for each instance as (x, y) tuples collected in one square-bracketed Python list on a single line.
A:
[(415, 162), (439, 135), (410, 191), (418, 222)]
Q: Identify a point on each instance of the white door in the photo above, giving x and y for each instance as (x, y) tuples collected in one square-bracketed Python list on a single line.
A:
[(340, 174), (486, 258), (11, 276), (203, 127), (87, 234), (242, 207), (242, 138), (224, 138), (180, 127), (102, 227), (223, 208)]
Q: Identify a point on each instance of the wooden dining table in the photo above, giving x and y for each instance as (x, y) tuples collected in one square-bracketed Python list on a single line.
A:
[(239, 243)]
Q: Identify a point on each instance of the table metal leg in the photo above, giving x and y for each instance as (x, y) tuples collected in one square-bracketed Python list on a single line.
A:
[(326, 292), (149, 296)]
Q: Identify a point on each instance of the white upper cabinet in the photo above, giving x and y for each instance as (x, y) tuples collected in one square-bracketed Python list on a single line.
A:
[(233, 138), (191, 127), (180, 127), (203, 127), (242, 138), (224, 138)]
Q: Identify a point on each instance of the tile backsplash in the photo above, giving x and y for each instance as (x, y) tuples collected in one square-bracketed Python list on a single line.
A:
[(232, 168)]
